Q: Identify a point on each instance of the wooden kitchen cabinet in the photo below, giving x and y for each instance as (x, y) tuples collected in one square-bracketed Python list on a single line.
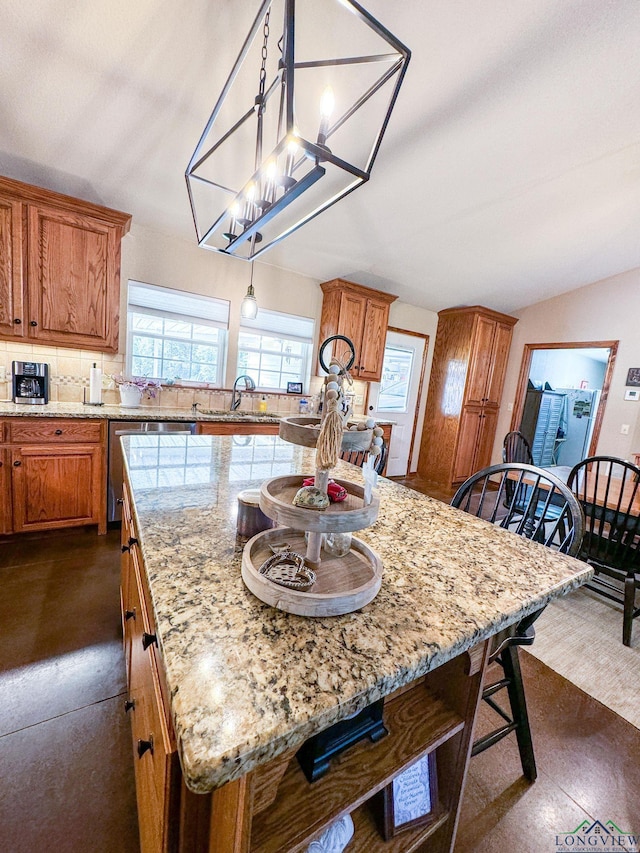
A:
[(11, 266), (362, 315), (54, 474), (6, 520), (155, 757), (220, 428), (465, 391), (59, 268)]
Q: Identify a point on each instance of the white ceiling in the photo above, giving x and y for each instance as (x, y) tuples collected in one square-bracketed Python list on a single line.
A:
[(510, 170)]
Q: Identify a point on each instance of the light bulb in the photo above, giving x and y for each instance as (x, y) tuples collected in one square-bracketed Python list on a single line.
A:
[(327, 102)]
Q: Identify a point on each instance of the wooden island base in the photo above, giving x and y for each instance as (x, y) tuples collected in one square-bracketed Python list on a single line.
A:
[(274, 809)]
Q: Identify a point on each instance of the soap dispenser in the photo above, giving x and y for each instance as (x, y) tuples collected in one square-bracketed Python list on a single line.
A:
[(262, 405)]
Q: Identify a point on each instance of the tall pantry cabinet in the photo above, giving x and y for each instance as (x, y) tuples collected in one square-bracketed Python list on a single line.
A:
[(465, 390)]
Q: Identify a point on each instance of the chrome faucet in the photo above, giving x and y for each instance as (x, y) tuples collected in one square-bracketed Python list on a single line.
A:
[(249, 385)]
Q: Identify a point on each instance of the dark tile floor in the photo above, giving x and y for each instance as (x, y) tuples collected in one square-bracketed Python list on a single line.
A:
[(66, 780)]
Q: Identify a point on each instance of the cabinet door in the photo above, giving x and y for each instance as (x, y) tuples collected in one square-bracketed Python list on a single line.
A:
[(5, 492), (466, 451), (373, 340), (73, 279), (56, 486), (351, 321), (480, 362), (11, 305), (500, 354), (486, 436)]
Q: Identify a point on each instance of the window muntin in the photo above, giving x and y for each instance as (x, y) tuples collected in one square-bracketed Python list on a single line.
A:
[(165, 341), (276, 348)]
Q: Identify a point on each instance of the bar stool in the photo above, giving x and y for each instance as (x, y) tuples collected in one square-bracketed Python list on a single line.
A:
[(533, 503)]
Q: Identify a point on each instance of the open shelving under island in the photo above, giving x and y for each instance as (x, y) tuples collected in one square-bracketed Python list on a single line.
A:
[(223, 690)]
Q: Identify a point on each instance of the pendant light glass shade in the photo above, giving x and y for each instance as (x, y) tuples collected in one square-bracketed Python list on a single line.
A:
[(249, 306), (298, 124)]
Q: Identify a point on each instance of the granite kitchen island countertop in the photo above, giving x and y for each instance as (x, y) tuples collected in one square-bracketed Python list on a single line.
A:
[(248, 682)]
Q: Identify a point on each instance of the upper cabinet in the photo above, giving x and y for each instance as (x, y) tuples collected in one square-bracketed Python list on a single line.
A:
[(465, 389), (59, 268), (362, 315)]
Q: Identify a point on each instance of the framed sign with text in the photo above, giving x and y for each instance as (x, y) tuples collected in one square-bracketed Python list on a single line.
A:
[(411, 799)]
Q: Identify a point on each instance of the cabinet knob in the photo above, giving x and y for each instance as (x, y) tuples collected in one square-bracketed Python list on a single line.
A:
[(33, 323), (129, 705), (119, 501), (58, 432), (18, 321), (145, 746), (148, 640), (130, 614), (17, 463)]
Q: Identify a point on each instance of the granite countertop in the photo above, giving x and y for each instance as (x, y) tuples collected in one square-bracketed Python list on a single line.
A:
[(125, 413), (247, 681)]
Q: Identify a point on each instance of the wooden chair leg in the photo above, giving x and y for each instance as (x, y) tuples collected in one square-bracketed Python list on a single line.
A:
[(629, 606), (515, 688)]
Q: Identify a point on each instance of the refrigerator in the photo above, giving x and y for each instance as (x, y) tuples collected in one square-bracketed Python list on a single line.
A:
[(577, 423)]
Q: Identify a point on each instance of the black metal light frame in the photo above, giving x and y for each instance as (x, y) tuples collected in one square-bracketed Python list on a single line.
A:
[(318, 152)]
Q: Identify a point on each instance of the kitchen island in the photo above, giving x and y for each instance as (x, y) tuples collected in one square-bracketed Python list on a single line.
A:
[(234, 687)]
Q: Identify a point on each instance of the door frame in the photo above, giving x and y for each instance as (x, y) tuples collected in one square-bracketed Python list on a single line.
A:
[(423, 368), (525, 368)]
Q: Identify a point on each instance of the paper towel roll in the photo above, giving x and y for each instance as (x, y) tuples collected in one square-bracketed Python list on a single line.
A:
[(95, 385)]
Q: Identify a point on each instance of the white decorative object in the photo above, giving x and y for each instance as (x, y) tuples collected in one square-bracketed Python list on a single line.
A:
[(130, 395), (335, 838)]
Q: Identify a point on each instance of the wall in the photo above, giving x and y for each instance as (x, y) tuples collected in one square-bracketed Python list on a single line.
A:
[(603, 311), (566, 369)]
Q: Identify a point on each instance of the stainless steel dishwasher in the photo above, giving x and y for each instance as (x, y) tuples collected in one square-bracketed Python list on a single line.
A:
[(118, 428)]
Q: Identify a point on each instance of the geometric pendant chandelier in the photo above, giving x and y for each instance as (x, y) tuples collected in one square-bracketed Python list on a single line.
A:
[(297, 125)]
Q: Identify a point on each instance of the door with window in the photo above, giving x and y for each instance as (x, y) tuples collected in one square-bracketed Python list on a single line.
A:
[(396, 397)]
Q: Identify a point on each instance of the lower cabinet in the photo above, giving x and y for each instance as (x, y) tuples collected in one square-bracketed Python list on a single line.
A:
[(155, 758), (205, 428), (475, 441), (53, 474), (6, 521)]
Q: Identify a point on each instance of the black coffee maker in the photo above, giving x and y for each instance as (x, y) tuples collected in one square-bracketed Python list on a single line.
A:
[(30, 382)]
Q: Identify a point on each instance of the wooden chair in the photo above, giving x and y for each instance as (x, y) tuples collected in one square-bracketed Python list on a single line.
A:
[(359, 457), (609, 491), (541, 508), (516, 448)]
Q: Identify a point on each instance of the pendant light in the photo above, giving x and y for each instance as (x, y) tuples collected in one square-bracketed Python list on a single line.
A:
[(298, 123), (249, 306)]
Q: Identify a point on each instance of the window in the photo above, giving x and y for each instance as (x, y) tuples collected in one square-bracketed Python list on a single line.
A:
[(176, 335), (396, 375), (275, 349)]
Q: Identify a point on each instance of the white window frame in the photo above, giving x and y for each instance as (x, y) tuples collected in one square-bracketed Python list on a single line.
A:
[(141, 296), (277, 324)]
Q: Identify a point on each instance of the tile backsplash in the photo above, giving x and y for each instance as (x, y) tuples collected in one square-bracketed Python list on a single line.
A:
[(69, 377)]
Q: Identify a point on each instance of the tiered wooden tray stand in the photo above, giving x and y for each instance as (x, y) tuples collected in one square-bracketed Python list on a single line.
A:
[(343, 584)]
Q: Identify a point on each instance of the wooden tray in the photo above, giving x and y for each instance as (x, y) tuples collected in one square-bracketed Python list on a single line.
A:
[(343, 584), (298, 430), (276, 501)]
